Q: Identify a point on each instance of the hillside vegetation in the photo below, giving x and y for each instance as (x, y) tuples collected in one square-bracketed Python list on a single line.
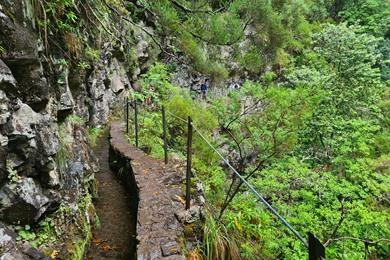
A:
[(309, 127), (307, 121)]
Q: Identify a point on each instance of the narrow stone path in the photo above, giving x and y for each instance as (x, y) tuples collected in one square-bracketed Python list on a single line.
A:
[(116, 209), (159, 190)]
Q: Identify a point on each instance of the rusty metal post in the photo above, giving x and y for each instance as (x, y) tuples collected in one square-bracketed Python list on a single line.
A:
[(136, 122), (164, 121), (316, 249), (127, 115), (124, 109), (189, 164)]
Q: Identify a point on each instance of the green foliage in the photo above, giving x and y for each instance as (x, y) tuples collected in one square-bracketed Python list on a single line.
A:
[(83, 65), (25, 234), (157, 91), (48, 230), (94, 133), (316, 149), (372, 15), (2, 50), (64, 13), (258, 32), (252, 60), (12, 175), (217, 244), (92, 54), (73, 221)]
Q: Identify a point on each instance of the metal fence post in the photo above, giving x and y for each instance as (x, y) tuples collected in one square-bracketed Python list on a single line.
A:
[(136, 122), (124, 109), (189, 164), (127, 115), (316, 249), (164, 121)]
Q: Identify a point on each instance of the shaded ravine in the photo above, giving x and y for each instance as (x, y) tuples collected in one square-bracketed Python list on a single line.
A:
[(117, 209)]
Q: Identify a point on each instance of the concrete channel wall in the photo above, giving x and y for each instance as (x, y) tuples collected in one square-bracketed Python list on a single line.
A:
[(157, 188)]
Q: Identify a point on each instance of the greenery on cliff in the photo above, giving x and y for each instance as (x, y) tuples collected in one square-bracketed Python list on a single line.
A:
[(309, 128)]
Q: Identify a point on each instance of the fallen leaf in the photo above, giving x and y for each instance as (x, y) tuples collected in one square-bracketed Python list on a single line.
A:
[(106, 247), (180, 199), (54, 254)]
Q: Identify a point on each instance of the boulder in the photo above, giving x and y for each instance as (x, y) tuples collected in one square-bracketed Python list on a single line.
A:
[(189, 216), (4, 108), (32, 253), (171, 248), (32, 83), (116, 83), (66, 101), (3, 140), (22, 202), (3, 164), (7, 238), (14, 161), (142, 49), (101, 109), (47, 137), (7, 80), (74, 175), (50, 179), (22, 58), (22, 121), (10, 250), (119, 79)]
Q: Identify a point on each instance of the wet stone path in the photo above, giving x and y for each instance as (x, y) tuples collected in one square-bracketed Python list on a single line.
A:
[(159, 185), (116, 208)]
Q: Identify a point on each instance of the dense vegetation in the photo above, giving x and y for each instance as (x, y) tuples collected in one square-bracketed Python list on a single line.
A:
[(309, 128)]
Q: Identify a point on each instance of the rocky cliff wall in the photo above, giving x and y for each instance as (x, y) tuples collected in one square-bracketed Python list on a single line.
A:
[(47, 101)]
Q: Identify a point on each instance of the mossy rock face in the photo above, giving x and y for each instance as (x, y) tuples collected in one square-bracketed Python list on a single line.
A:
[(79, 248), (81, 233)]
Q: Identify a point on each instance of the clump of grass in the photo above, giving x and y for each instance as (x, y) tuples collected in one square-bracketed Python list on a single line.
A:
[(217, 243), (2, 50), (94, 133)]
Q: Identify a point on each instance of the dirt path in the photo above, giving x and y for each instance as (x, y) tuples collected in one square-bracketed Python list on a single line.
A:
[(116, 209)]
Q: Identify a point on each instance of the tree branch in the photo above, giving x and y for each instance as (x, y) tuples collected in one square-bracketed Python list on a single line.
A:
[(188, 10), (366, 241), (229, 43), (143, 29), (342, 217)]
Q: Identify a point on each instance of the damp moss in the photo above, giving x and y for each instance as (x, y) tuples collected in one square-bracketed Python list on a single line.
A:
[(82, 231)]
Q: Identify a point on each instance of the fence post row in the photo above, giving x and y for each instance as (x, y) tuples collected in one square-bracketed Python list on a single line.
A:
[(315, 247), (136, 122), (189, 163), (164, 121)]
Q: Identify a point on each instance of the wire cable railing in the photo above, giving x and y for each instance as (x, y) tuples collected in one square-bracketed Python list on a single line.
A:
[(316, 249)]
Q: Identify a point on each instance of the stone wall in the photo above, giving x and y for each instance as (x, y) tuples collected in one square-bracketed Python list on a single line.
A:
[(158, 188)]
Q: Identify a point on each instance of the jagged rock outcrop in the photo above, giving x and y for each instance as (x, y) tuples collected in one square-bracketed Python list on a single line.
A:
[(22, 201), (45, 105)]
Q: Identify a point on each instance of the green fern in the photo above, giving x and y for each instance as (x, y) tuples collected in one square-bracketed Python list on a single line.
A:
[(2, 50)]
